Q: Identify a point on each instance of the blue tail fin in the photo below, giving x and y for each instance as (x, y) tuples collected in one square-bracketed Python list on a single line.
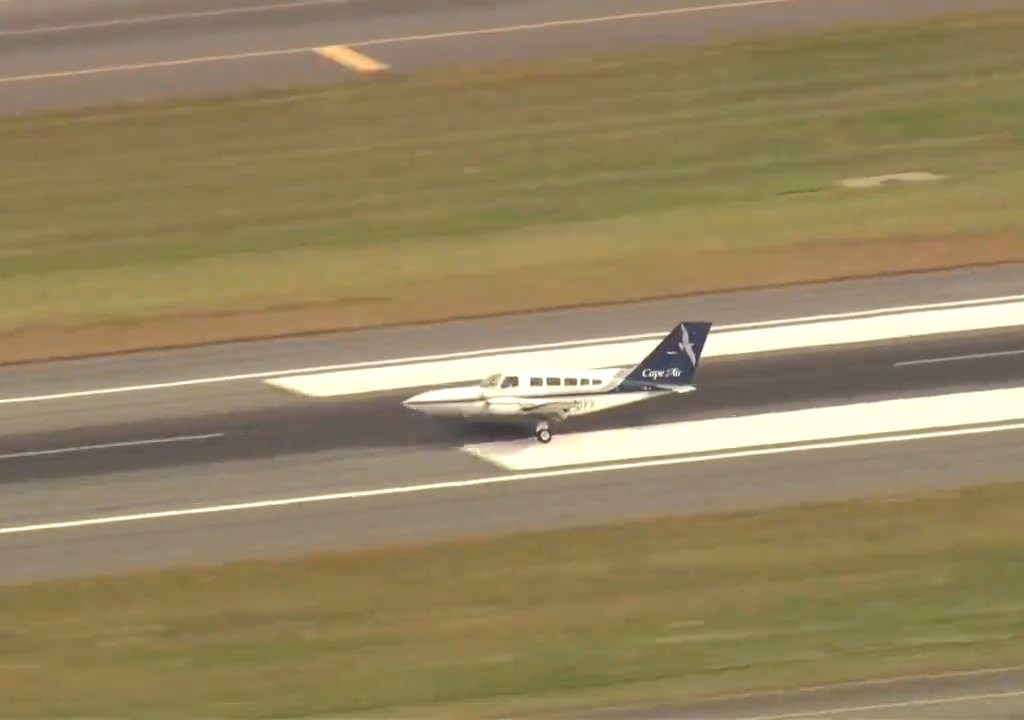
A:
[(674, 362)]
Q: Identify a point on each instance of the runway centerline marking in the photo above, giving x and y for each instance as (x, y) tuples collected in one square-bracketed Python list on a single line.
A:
[(109, 446), (351, 59), (569, 22), (496, 480), (392, 362), (152, 19), (958, 358)]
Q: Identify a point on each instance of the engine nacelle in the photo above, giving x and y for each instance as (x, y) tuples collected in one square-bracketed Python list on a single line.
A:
[(507, 407)]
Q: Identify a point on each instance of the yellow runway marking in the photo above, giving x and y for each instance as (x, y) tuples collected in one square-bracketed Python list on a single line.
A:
[(350, 58), (646, 15)]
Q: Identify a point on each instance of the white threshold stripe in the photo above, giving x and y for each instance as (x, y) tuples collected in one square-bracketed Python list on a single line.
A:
[(723, 341), (109, 446), (958, 358), (806, 425), (498, 480), (594, 344)]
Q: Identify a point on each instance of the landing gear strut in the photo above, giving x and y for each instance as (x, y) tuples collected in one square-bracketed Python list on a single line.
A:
[(543, 432)]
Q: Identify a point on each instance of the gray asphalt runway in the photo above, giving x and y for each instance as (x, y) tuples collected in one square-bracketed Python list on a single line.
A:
[(59, 54), (380, 424), (276, 445)]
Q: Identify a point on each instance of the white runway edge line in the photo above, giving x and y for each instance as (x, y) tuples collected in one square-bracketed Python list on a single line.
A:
[(496, 480), (810, 425), (829, 713), (594, 344), (723, 341)]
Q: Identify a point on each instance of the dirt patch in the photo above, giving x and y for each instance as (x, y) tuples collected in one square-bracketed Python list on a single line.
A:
[(688, 274)]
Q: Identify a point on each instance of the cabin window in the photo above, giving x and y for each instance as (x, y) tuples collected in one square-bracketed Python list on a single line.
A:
[(584, 381), (510, 381), (570, 381), (536, 382), (554, 381)]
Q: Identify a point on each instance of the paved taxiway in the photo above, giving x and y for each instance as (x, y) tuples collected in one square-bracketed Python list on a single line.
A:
[(59, 54)]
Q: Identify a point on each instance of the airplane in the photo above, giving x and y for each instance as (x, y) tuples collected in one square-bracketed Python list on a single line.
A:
[(555, 395)]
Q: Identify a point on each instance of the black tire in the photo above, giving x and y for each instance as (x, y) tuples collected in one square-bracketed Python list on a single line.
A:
[(543, 435)]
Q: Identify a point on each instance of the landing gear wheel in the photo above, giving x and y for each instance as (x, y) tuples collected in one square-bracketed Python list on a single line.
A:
[(543, 433)]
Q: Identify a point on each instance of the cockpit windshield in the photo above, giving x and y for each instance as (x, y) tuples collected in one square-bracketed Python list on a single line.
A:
[(491, 381)]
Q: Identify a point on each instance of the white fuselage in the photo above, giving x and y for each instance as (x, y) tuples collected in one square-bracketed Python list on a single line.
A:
[(538, 393)]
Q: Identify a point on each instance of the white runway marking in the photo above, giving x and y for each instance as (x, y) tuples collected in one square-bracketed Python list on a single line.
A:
[(493, 480), (921, 702), (571, 22), (568, 22), (109, 446), (598, 344), (810, 425), (958, 358), (150, 19), (875, 181), (723, 341)]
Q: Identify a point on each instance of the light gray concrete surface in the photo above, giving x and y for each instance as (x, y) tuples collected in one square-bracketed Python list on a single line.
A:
[(51, 53)]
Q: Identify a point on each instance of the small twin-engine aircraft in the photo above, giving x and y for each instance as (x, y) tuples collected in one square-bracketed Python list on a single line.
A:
[(554, 395)]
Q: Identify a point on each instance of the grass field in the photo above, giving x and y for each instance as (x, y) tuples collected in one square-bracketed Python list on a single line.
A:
[(561, 182), (658, 611)]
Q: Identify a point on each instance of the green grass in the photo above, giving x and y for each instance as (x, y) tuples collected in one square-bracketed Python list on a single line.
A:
[(660, 611), (488, 190)]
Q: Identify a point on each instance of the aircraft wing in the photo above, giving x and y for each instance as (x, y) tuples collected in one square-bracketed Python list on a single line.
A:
[(537, 407), (554, 406)]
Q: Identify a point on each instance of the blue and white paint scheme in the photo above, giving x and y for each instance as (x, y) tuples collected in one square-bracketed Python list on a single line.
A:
[(555, 395)]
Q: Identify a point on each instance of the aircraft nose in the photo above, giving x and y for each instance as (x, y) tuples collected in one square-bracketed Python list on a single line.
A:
[(414, 401)]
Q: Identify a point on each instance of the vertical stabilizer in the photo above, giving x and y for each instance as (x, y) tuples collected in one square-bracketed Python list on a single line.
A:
[(673, 363)]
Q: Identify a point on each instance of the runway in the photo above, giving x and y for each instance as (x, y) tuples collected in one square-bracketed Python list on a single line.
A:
[(215, 499), (60, 54), (175, 435)]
